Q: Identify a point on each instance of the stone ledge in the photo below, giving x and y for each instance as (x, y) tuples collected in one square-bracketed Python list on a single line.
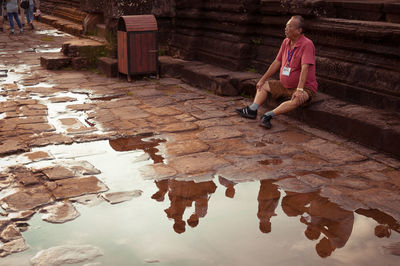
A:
[(372, 127), (56, 61)]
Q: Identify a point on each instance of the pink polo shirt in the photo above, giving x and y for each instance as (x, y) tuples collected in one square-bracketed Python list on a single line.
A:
[(304, 53)]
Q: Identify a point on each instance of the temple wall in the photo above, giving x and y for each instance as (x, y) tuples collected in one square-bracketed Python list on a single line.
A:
[(358, 56)]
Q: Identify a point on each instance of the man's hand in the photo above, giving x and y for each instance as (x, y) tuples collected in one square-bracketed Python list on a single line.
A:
[(300, 96), (260, 83)]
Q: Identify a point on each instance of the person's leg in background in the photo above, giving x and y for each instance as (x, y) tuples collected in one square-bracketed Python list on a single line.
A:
[(23, 17), (29, 16), (10, 19), (15, 15)]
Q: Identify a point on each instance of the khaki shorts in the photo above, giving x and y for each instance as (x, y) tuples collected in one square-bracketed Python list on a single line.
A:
[(278, 91)]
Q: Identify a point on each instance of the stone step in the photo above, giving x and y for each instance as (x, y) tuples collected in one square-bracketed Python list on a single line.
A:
[(108, 66), (77, 53), (83, 48), (68, 12), (55, 61), (62, 24), (369, 126)]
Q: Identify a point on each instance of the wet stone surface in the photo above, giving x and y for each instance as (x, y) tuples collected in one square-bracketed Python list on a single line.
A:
[(73, 144)]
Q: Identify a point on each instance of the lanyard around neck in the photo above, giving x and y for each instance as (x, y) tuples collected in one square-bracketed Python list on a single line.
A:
[(290, 55)]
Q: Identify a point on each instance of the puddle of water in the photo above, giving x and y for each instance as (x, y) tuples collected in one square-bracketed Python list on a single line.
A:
[(14, 74), (40, 85), (52, 33), (187, 223), (48, 50), (58, 110)]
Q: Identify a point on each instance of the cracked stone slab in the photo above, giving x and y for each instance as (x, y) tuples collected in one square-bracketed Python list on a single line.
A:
[(77, 186), (74, 126), (219, 132), (80, 107), (25, 176), (213, 122), (148, 92), (157, 171), (185, 148), (57, 172), (10, 146), (202, 115), (179, 127), (21, 216), (118, 197), (26, 199), (59, 212), (36, 127), (197, 163), (11, 232), (80, 167), (13, 246), (129, 113), (164, 111), (45, 139), (332, 152), (39, 156), (61, 99)]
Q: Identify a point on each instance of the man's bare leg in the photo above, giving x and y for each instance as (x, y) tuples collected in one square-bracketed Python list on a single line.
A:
[(298, 99), (261, 94), (286, 107), (251, 111)]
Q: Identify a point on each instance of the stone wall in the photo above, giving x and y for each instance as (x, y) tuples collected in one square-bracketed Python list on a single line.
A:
[(358, 56), (357, 60)]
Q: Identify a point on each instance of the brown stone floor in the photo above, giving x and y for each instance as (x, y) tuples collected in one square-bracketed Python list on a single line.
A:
[(204, 138)]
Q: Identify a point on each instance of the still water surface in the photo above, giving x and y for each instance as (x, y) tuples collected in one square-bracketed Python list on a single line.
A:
[(209, 223)]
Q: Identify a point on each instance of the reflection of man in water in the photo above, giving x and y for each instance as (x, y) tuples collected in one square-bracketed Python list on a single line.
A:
[(386, 222), (268, 198), (182, 194), (321, 216)]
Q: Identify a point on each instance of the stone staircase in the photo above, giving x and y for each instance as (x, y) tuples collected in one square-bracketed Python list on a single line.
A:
[(63, 14)]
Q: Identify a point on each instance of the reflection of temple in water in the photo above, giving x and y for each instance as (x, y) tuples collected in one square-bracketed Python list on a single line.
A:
[(386, 223), (182, 195), (325, 222)]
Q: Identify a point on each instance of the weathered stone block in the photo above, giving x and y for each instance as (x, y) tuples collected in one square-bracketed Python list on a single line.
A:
[(53, 62), (92, 6), (79, 63), (108, 66)]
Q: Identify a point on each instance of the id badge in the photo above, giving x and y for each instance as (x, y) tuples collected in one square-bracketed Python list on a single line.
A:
[(286, 71)]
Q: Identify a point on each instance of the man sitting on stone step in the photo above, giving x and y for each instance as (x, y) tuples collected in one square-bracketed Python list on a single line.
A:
[(296, 63)]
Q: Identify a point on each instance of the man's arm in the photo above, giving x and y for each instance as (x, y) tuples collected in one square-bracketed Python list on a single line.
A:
[(300, 94), (303, 75), (273, 68)]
